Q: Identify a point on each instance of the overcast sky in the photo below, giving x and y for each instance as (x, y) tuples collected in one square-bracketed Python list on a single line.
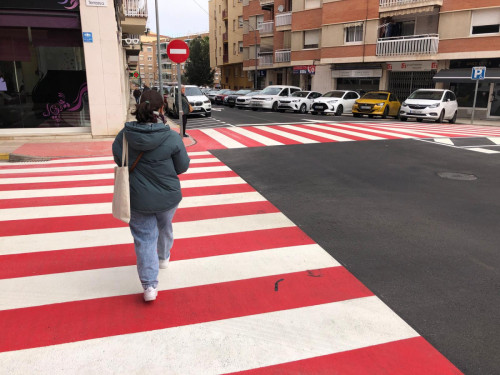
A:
[(179, 17)]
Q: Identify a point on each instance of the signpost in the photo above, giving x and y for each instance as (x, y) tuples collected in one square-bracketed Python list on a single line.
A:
[(478, 73), (178, 52)]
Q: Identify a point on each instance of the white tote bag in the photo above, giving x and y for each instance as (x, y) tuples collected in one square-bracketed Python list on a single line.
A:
[(121, 192)]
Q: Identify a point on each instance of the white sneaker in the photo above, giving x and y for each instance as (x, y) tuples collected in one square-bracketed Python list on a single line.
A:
[(164, 263), (150, 294)]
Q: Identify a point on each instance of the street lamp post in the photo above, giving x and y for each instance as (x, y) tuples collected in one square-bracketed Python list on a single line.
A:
[(256, 60), (158, 52)]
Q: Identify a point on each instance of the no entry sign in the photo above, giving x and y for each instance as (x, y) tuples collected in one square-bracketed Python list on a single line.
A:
[(178, 51)]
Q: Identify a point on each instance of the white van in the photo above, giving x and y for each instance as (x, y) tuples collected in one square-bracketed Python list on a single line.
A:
[(269, 97), (430, 104)]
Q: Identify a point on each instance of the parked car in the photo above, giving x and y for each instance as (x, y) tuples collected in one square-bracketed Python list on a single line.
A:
[(337, 102), (299, 101), (211, 95), (231, 99), (433, 104), (199, 102), (270, 96), (377, 103), (244, 100), (219, 98)]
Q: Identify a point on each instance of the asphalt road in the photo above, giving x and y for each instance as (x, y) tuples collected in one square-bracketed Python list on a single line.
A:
[(426, 245), (226, 116)]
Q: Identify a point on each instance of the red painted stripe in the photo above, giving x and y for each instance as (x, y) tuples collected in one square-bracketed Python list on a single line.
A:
[(304, 134), (69, 322), (89, 222), (199, 176), (52, 165), (358, 138), (55, 185), (278, 138), (104, 198), (47, 262), (240, 138), (413, 356), (204, 141), (404, 131)]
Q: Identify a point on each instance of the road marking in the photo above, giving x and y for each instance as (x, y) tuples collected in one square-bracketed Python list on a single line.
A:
[(318, 133), (257, 137), (444, 140), (222, 139), (357, 134), (288, 135), (483, 150)]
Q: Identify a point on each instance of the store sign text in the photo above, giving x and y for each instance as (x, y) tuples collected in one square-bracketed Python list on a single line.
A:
[(412, 66), (97, 3), (304, 69)]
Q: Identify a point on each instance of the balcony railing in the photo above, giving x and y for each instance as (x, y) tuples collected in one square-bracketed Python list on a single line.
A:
[(397, 3), (266, 27), (282, 56), (283, 19), (265, 58), (426, 44), (264, 3), (131, 8)]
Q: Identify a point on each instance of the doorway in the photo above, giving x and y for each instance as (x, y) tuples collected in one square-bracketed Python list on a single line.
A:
[(494, 103)]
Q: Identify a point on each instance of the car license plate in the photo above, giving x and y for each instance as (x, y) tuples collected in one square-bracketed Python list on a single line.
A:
[(364, 107), (257, 104), (415, 112), (317, 106)]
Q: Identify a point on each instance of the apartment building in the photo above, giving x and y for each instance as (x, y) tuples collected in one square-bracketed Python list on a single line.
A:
[(226, 43), (396, 45), (66, 65)]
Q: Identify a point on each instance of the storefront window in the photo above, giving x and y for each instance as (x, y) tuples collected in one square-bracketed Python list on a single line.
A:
[(465, 94), (43, 66)]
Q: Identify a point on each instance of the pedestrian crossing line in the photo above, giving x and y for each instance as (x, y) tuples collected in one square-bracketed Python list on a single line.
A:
[(68, 260), (242, 342), (407, 356), (483, 150), (468, 130), (352, 134), (281, 136), (116, 236), (241, 138), (289, 300), (412, 133), (222, 139), (310, 133), (495, 140), (265, 141), (373, 131)]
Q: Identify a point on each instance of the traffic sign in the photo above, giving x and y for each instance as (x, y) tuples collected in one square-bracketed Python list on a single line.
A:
[(178, 51), (478, 72)]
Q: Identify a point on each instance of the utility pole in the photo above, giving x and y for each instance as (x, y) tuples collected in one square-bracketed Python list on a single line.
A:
[(158, 52)]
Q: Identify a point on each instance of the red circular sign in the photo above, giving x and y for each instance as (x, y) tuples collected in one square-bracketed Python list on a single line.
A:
[(178, 51)]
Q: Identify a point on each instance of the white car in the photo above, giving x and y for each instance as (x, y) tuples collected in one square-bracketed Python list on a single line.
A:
[(299, 101), (243, 101), (432, 104), (337, 102), (200, 103), (270, 96)]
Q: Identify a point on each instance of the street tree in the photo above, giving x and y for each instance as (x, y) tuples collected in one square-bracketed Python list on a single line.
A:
[(197, 69)]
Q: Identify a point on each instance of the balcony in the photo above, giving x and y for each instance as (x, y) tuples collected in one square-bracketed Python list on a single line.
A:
[(224, 14), (135, 16), (267, 4), (266, 27), (265, 58), (426, 44), (225, 37), (283, 19), (397, 5), (282, 56), (131, 43), (225, 58)]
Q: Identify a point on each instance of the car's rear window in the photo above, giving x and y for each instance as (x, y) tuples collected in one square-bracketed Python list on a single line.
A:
[(300, 94), (334, 94), (426, 95), (193, 91), (376, 95)]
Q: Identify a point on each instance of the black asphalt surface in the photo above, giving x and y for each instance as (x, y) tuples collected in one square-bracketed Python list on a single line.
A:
[(427, 246)]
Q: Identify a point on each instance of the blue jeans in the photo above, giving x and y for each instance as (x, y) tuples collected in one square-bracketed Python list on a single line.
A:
[(153, 239)]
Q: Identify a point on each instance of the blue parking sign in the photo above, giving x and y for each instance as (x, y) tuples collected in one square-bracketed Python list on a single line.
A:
[(478, 72), (87, 37)]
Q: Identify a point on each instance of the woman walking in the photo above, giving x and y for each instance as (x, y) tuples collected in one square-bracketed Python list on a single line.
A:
[(159, 156)]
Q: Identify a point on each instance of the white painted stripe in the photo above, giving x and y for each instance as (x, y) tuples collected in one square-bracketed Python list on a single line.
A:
[(117, 281), (257, 137), (318, 133), (59, 161), (444, 140), (59, 169), (288, 135), (495, 140), (222, 168), (177, 51), (223, 346), (108, 189), (483, 150), (33, 243), (338, 130), (35, 180), (222, 138), (24, 213), (361, 129), (408, 131)]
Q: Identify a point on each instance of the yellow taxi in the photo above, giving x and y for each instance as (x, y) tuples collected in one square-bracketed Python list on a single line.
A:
[(377, 103)]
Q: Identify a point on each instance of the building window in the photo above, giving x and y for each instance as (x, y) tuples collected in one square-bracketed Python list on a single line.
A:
[(310, 4), (149, 49), (236, 72), (353, 34), (234, 25), (150, 58), (485, 21), (240, 45), (311, 38), (259, 19), (234, 48), (240, 21), (141, 57)]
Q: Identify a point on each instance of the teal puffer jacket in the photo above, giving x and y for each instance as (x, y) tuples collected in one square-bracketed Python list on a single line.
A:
[(154, 185)]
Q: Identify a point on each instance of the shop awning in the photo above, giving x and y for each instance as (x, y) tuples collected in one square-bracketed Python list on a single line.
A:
[(403, 12), (464, 75)]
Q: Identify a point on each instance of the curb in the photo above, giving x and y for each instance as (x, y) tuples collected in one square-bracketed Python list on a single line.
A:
[(14, 158)]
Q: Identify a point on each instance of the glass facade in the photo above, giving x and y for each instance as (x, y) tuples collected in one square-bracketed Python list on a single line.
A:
[(42, 67)]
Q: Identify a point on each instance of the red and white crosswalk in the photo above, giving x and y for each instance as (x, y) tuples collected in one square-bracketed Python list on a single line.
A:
[(246, 291), (306, 133)]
